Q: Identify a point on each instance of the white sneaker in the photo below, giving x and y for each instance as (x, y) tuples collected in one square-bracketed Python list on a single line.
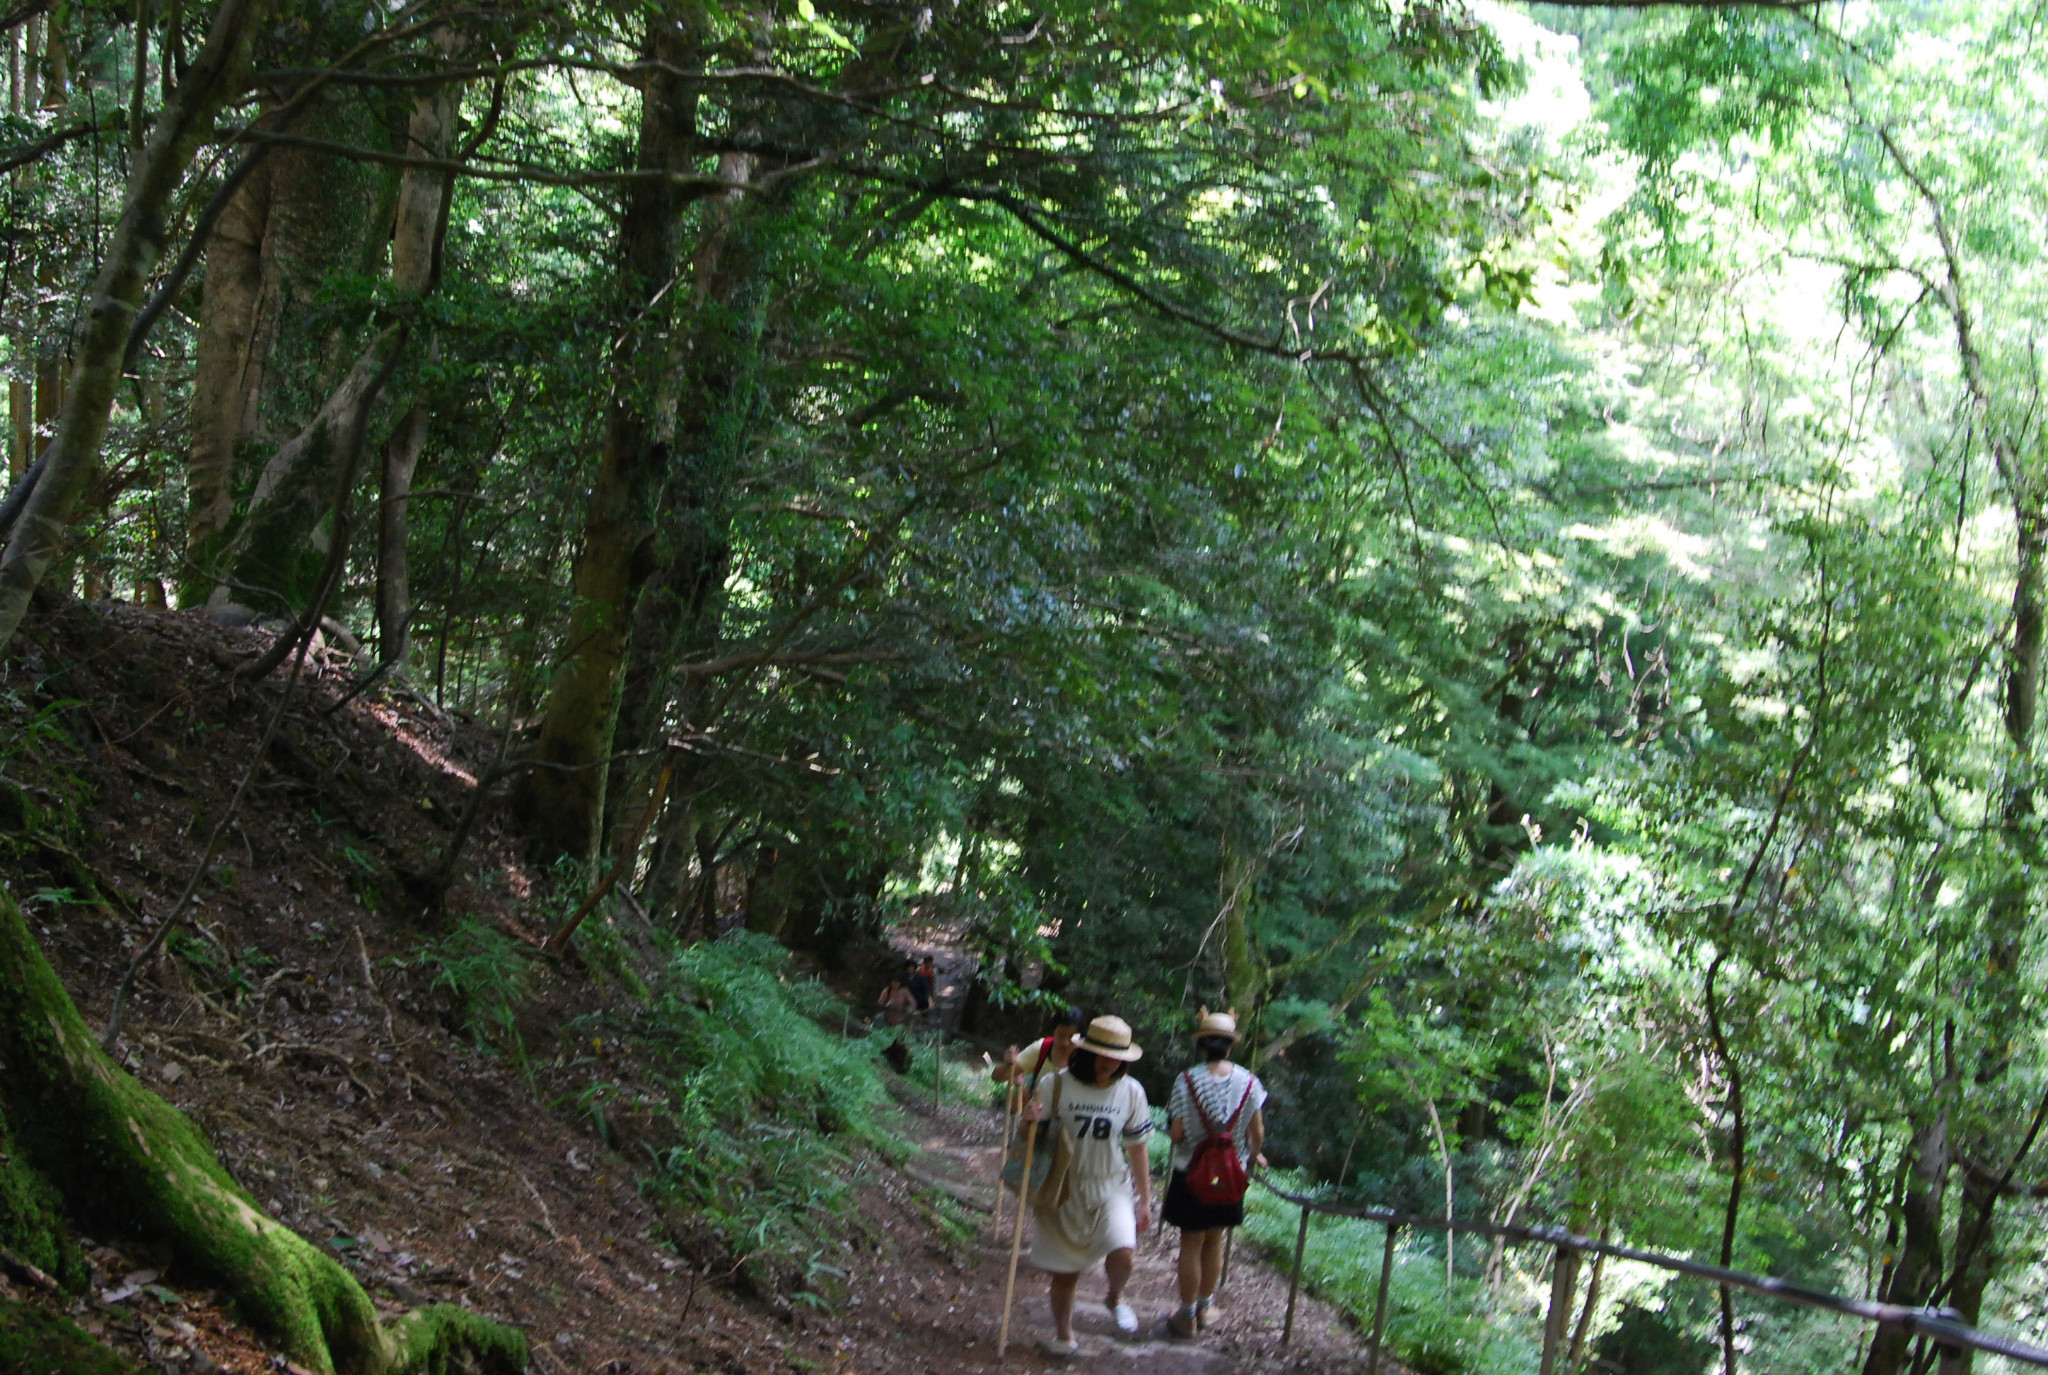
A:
[(1126, 1318), (1055, 1347)]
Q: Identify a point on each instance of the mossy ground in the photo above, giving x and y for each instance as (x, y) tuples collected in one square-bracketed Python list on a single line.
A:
[(126, 1159), (34, 1341)]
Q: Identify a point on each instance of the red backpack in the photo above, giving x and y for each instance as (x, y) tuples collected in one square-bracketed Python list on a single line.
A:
[(1216, 1175)]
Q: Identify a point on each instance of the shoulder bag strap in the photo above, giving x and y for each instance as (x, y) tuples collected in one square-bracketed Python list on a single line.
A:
[(1044, 1049)]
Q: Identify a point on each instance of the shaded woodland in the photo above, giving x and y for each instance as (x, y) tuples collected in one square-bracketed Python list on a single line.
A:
[(1503, 543)]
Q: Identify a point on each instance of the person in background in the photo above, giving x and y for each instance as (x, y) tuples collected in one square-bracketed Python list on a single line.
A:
[(1108, 1195), (1214, 1097), (1048, 1054), (924, 981), (896, 1004)]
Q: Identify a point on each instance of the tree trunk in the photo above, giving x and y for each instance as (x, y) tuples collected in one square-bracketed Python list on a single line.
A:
[(132, 251), (1244, 978), (1976, 1256), (227, 377), (678, 612), (270, 549), (418, 229), (125, 1161), (561, 803), (1918, 1268)]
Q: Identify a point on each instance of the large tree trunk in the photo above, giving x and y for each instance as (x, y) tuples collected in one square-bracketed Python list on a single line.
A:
[(1918, 1268), (1976, 1250), (418, 229), (677, 614), (302, 216), (271, 549), (227, 377), (132, 251), (561, 802), (125, 1161), (1244, 975)]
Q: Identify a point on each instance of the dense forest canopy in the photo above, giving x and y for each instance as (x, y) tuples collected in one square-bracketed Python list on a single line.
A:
[(1505, 544)]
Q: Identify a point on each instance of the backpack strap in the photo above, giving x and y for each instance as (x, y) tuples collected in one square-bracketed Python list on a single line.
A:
[(1231, 1125), (1208, 1127)]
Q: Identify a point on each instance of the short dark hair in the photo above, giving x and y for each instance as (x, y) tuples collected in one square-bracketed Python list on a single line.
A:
[(1214, 1048), (1083, 1066), (1073, 1015)]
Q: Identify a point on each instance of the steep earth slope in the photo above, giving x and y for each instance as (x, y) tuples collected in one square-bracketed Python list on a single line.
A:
[(297, 1026)]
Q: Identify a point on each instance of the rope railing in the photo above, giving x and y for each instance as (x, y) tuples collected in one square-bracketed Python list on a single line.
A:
[(1944, 1326)]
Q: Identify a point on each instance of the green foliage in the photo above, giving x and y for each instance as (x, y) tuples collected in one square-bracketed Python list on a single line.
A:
[(485, 971), (762, 1113), (1461, 1331)]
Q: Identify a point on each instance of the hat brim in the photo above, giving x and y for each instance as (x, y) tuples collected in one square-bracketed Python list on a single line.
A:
[(1204, 1033), (1130, 1052)]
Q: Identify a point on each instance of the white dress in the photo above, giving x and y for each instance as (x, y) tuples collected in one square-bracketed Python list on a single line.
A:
[(1099, 1215)]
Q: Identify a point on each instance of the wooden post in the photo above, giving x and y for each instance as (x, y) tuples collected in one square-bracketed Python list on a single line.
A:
[(1294, 1285), (1564, 1274), (1229, 1243), (1379, 1304), (1577, 1352), (1016, 1244)]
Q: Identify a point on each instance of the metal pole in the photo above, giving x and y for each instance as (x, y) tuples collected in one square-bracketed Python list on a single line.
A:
[(1564, 1274), (1294, 1285), (1379, 1305)]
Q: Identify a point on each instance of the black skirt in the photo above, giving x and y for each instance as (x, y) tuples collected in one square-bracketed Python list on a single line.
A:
[(1190, 1214)]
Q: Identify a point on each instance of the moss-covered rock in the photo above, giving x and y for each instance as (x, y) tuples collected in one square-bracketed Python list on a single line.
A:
[(36, 1342), (125, 1160)]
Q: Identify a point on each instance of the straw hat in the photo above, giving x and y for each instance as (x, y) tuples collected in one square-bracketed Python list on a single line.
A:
[(1216, 1024), (1109, 1037)]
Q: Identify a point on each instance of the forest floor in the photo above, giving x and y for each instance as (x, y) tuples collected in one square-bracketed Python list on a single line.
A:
[(301, 1032)]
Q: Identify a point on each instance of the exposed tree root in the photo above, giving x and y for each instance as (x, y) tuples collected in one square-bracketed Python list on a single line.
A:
[(122, 1159)]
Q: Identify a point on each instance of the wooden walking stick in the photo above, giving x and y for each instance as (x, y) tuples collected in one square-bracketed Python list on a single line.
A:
[(1003, 1160), (1016, 1244)]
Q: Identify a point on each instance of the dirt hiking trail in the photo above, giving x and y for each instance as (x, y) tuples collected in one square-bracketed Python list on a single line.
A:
[(950, 1317)]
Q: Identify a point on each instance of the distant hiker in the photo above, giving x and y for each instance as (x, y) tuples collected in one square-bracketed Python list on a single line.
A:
[(896, 1004), (1104, 1202), (1049, 1054), (923, 981), (1218, 1126)]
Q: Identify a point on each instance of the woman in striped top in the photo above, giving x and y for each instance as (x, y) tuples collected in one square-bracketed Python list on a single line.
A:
[(1213, 1097)]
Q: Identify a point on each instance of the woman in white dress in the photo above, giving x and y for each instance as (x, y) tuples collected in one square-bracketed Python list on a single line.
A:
[(1107, 1203)]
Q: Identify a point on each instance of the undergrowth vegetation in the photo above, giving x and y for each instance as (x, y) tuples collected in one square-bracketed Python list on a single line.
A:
[(758, 1113), (750, 1107), (1429, 1330), (1488, 1320)]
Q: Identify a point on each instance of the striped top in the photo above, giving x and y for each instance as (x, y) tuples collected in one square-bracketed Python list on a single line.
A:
[(1219, 1095)]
